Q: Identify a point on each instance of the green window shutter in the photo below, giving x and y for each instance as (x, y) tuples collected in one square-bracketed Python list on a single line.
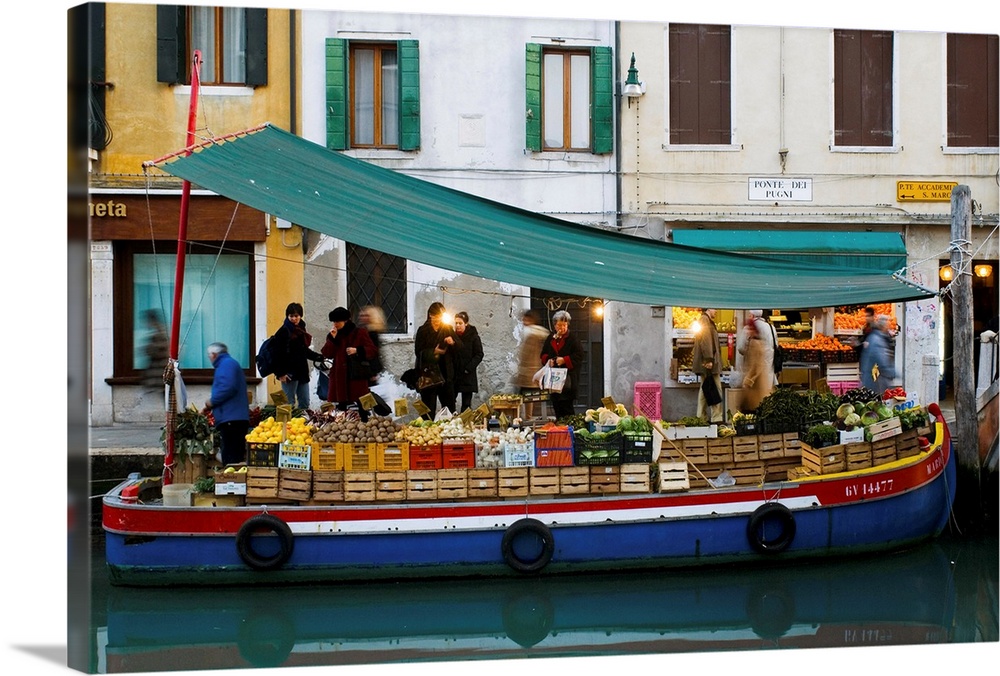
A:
[(256, 49), (409, 94), (533, 97), (171, 61), (602, 101), (336, 94)]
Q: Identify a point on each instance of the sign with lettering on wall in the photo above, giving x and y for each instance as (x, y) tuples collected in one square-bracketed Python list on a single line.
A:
[(780, 189)]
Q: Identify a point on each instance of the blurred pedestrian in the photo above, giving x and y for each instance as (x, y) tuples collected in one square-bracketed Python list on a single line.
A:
[(757, 348), (878, 369), (707, 363), (467, 359), (563, 350), (156, 350), (228, 404), (372, 319)]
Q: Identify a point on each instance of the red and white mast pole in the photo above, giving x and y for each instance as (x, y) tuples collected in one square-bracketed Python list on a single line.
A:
[(175, 318)]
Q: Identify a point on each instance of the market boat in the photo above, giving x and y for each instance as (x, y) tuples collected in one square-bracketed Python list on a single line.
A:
[(829, 604), (879, 508), (152, 539)]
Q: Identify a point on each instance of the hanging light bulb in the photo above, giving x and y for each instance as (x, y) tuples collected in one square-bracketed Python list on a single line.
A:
[(983, 270), (947, 273)]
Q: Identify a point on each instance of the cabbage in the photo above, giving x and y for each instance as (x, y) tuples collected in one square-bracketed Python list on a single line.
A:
[(844, 410), (869, 418), (884, 412), (852, 420)]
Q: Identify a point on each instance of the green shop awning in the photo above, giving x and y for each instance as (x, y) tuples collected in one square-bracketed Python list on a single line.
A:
[(279, 173), (882, 251)]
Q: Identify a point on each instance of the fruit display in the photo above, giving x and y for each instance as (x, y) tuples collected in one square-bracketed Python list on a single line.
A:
[(298, 431), (859, 395), (684, 317), (823, 343), (420, 433), (267, 431), (352, 430), (855, 321), (455, 429)]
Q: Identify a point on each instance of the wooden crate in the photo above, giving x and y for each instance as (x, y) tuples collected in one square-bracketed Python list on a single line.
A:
[(512, 482), (390, 486), (771, 445), (421, 484), (907, 444), (859, 455), (574, 480), (634, 477), (883, 451), (453, 484), (328, 486), (746, 449), (800, 472), (294, 484), (605, 479), (262, 482), (672, 476), (543, 480), (825, 460), (747, 472), (482, 482), (884, 429), (359, 486), (791, 444), (777, 470), (712, 454)]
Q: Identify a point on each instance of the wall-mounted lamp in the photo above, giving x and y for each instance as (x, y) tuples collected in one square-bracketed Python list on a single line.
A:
[(947, 273), (983, 270), (632, 88)]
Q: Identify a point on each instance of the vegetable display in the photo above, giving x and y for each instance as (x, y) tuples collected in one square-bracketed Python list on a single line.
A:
[(782, 411)]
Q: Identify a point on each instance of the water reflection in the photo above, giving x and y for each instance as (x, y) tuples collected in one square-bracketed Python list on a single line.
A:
[(908, 598)]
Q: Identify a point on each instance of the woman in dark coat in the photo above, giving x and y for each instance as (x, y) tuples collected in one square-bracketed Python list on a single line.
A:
[(467, 360), (346, 342), (436, 343), (563, 350), (292, 352)]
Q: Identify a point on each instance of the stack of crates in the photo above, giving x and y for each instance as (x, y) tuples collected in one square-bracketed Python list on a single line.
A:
[(842, 378), (554, 446), (647, 399)]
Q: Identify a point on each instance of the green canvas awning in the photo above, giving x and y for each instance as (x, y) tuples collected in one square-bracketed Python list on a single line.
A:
[(295, 179), (882, 251)]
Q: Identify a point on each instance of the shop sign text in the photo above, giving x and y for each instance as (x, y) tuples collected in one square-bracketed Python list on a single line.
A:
[(780, 189)]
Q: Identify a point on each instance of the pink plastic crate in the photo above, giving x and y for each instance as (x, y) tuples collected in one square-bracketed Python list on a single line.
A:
[(647, 400), (843, 387)]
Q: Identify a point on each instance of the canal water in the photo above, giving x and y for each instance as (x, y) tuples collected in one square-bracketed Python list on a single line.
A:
[(939, 594)]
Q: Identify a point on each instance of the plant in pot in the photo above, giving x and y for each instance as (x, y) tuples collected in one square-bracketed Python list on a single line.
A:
[(821, 435)]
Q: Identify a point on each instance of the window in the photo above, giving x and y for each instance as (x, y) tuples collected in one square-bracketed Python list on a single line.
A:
[(213, 286), (376, 278), (569, 99), (972, 91), (862, 77), (232, 41), (373, 94), (700, 84)]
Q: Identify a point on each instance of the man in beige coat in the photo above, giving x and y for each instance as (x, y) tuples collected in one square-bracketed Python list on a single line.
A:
[(708, 364)]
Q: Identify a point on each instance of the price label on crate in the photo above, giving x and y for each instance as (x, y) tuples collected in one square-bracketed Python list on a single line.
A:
[(278, 398), (466, 416), (608, 403)]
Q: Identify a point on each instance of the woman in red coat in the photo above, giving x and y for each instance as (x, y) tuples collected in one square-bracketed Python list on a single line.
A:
[(347, 342)]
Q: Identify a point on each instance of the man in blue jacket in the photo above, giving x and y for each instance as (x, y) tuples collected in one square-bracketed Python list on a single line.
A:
[(229, 404)]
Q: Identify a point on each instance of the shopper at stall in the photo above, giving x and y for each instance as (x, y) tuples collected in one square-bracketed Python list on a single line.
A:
[(878, 369), (757, 349), (351, 349), (707, 363), (292, 349), (156, 349), (533, 336), (228, 404), (563, 350), (866, 329), (467, 360), (435, 345)]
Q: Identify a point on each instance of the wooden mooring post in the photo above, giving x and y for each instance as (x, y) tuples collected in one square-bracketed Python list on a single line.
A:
[(968, 500)]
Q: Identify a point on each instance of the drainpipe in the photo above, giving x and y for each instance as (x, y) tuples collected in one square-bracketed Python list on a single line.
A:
[(292, 83), (618, 128)]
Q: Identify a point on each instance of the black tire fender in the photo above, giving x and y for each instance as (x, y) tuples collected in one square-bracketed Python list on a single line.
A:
[(771, 513), (520, 529), (263, 523)]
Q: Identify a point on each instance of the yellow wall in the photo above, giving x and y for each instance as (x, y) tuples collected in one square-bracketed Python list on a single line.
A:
[(149, 119)]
